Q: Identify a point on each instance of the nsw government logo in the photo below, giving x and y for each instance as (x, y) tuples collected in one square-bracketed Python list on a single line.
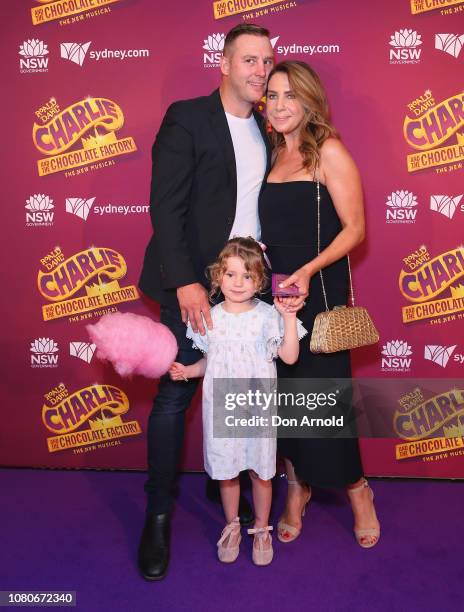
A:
[(39, 211), (44, 353), (401, 207), (396, 356), (33, 54), (405, 45), (213, 46)]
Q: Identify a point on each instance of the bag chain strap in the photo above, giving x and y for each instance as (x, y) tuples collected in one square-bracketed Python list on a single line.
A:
[(319, 251)]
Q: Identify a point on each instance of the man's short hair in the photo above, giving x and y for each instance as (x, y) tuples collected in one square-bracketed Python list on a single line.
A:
[(239, 30)]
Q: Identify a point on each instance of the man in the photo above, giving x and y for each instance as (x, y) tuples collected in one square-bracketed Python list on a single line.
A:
[(210, 158)]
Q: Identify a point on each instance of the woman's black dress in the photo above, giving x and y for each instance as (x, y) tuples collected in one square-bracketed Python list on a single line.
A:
[(288, 215)]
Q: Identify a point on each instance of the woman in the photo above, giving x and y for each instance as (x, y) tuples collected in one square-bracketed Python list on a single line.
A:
[(310, 162)]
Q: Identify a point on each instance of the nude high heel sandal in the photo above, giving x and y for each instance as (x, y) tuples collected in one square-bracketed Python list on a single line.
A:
[(228, 553), (372, 534), (285, 532)]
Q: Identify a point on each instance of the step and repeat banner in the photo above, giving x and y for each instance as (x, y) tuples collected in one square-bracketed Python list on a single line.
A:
[(87, 85)]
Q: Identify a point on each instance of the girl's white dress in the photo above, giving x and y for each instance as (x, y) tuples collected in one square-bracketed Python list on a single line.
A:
[(240, 346)]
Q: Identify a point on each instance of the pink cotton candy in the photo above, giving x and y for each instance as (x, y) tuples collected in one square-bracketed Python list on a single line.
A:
[(134, 344)]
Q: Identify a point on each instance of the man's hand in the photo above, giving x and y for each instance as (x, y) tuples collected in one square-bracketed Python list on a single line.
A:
[(193, 302)]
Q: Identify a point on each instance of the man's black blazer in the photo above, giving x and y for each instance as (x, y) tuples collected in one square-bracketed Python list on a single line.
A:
[(193, 195)]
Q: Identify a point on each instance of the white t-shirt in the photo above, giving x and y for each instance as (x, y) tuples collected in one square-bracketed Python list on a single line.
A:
[(250, 161)]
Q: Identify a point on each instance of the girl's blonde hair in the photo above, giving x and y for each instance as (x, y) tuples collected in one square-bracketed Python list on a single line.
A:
[(250, 252), (316, 126)]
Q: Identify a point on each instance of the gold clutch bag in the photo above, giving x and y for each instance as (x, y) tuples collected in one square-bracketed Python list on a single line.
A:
[(342, 328)]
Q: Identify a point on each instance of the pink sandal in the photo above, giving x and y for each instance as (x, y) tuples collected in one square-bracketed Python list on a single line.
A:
[(261, 555), (226, 552)]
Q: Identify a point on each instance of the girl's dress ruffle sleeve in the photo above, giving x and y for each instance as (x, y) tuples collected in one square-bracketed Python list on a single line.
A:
[(275, 333), (198, 341)]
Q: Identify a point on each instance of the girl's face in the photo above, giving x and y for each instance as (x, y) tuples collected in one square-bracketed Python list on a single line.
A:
[(284, 110), (237, 284)]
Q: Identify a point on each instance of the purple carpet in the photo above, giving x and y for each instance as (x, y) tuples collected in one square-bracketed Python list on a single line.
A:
[(79, 531)]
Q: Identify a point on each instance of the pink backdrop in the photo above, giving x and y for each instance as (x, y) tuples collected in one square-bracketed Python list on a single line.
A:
[(76, 202)]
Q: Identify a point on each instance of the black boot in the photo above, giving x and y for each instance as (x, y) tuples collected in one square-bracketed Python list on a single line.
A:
[(153, 556), (245, 511)]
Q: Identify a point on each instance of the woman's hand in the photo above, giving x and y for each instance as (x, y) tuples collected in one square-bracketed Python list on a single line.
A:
[(301, 279)]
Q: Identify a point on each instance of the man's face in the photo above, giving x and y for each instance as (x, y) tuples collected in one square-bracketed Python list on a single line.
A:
[(247, 66)]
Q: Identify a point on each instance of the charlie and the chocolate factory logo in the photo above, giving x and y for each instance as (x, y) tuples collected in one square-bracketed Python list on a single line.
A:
[(95, 270), (433, 130), (59, 134), (68, 11), (65, 414), (423, 279), (430, 425), (424, 6)]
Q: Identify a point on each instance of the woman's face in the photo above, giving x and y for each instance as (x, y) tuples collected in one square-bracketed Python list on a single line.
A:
[(284, 110)]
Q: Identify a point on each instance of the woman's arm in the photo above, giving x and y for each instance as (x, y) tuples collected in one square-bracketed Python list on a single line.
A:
[(339, 173), (341, 176)]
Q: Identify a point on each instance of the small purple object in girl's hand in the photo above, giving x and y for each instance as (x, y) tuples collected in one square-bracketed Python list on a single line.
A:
[(283, 292)]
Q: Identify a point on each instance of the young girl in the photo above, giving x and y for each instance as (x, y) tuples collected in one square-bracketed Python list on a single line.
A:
[(247, 336)]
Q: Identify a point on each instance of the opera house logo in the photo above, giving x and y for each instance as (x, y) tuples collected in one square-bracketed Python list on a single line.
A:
[(99, 406), (93, 273), (82, 134)]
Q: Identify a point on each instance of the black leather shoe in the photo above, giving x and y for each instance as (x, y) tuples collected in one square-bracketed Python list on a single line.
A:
[(153, 558), (245, 511)]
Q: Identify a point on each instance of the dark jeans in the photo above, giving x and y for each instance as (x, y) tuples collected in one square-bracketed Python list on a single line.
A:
[(166, 421)]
